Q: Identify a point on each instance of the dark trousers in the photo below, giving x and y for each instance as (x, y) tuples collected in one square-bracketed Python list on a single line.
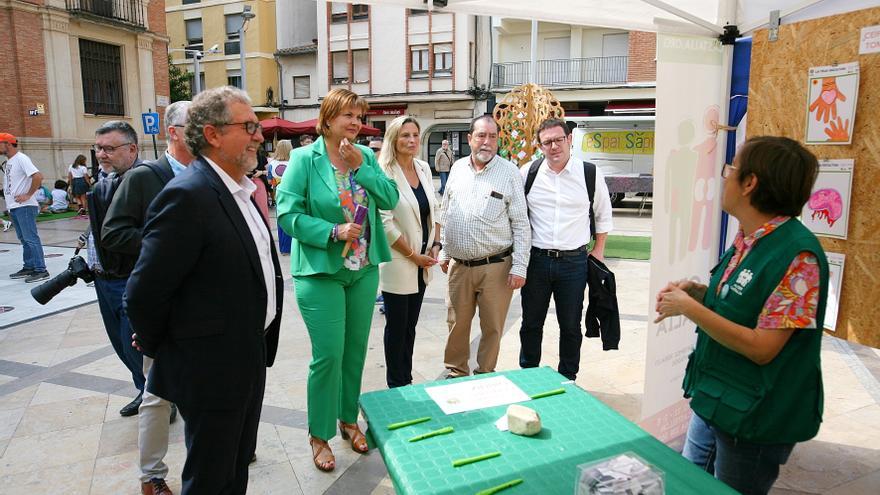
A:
[(401, 317), (564, 278), (221, 442), (110, 292), (284, 241)]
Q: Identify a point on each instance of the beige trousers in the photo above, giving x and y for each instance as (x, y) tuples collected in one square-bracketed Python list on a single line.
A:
[(469, 288)]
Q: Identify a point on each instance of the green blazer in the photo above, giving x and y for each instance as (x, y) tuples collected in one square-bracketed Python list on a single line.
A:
[(308, 207)]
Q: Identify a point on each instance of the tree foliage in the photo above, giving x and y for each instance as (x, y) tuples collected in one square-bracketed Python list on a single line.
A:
[(179, 82)]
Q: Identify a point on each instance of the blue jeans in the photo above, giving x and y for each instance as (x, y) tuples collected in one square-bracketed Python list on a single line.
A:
[(24, 219), (110, 292), (564, 278), (749, 468), (443, 177)]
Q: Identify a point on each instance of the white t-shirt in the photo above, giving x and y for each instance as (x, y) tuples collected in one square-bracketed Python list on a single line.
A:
[(17, 180), (59, 199), (78, 172)]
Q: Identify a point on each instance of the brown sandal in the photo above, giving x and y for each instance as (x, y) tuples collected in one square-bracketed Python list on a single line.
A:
[(352, 432), (326, 465)]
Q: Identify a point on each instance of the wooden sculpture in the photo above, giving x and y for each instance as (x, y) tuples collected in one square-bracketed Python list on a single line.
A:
[(518, 115)]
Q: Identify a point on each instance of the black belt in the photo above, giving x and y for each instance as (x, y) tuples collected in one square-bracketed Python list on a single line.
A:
[(495, 258), (558, 253)]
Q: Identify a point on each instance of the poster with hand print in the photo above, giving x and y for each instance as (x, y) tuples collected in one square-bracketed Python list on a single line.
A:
[(832, 92), (835, 282), (827, 211)]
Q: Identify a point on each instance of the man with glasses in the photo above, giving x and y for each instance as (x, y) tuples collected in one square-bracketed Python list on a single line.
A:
[(21, 181), (205, 295), (559, 212), (116, 147), (121, 234), (485, 247)]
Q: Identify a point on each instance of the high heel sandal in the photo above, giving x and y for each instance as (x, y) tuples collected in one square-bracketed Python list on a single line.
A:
[(353, 434), (328, 465)]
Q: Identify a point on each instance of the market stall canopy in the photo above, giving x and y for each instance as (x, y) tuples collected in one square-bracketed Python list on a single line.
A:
[(278, 128), (308, 127)]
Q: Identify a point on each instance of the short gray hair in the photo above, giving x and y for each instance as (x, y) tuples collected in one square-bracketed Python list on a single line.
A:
[(121, 127), (210, 107), (175, 114)]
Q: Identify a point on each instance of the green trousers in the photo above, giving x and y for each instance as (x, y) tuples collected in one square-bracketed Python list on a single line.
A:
[(337, 310)]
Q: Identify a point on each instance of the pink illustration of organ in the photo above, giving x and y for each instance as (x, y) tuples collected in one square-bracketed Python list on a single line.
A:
[(827, 204)]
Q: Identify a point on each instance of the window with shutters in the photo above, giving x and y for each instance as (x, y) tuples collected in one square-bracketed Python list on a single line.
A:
[(233, 78), (443, 60), (301, 87), (193, 35), (232, 46), (361, 62), (419, 62), (101, 66), (339, 66)]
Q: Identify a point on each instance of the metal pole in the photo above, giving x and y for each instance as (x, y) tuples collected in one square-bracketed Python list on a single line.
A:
[(197, 56), (241, 55), (155, 150), (533, 65)]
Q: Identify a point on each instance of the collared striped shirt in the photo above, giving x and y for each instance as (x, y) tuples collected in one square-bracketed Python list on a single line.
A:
[(484, 213)]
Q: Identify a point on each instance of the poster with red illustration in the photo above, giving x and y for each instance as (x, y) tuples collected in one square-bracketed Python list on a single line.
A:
[(827, 211), (831, 103)]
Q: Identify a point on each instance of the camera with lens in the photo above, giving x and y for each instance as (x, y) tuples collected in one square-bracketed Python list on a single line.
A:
[(76, 268)]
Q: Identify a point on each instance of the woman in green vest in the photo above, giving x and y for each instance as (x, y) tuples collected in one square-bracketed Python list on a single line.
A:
[(754, 378), (334, 261)]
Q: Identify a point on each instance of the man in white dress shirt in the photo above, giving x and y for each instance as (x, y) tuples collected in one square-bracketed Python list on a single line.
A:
[(559, 207)]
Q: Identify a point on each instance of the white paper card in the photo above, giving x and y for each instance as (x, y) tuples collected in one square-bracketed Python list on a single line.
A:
[(501, 424), (476, 394), (832, 92), (826, 213), (835, 282), (869, 41)]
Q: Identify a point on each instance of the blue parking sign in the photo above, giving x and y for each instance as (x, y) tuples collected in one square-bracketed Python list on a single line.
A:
[(151, 123)]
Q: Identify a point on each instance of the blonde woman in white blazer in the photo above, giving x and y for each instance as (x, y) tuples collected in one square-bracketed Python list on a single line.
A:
[(414, 236)]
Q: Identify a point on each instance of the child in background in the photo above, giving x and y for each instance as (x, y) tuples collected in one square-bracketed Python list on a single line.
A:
[(60, 201)]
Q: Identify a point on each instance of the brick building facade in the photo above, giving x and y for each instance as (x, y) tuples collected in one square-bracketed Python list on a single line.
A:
[(642, 57)]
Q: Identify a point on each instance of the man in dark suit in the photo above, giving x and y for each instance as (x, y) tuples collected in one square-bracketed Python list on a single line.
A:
[(205, 295)]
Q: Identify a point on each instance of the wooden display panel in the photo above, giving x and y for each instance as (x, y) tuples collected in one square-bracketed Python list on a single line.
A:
[(777, 96)]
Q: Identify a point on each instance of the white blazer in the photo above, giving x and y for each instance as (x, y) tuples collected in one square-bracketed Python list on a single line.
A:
[(400, 275)]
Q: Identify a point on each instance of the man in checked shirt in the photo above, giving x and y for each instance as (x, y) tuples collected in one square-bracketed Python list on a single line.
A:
[(485, 237)]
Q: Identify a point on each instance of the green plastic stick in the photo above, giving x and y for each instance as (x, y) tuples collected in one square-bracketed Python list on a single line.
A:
[(402, 424), (502, 486), (471, 460), (549, 393), (441, 431)]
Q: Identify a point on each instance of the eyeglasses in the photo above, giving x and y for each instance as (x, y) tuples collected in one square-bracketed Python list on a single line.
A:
[(250, 127), (547, 143), (108, 149), (727, 170)]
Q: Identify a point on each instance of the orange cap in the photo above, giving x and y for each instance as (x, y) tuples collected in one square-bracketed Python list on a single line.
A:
[(9, 138)]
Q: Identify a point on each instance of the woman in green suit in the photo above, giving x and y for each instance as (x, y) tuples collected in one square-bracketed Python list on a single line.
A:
[(334, 262)]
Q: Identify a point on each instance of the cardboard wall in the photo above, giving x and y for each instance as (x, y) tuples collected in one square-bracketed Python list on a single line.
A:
[(777, 96)]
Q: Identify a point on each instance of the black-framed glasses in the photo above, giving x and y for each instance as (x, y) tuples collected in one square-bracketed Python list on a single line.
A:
[(108, 149), (250, 127), (727, 170), (557, 141)]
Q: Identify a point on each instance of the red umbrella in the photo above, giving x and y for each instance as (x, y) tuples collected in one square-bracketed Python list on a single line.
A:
[(308, 127), (277, 127)]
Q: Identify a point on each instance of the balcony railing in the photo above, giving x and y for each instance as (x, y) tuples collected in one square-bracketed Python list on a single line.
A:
[(562, 73), (128, 12)]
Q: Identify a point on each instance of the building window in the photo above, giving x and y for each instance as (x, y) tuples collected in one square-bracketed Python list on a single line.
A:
[(338, 12), (339, 67), (232, 46), (101, 78), (360, 12), (192, 82), (415, 12), (187, 2), (233, 78), (443, 60), (302, 87), (615, 45), (361, 62), (193, 35), (419, 62)]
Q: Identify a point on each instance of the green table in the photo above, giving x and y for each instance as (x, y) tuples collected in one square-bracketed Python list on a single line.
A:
[(577, 428)]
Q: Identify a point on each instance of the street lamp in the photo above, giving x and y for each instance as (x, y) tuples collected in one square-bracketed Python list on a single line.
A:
[(197, 58), (246, 15)]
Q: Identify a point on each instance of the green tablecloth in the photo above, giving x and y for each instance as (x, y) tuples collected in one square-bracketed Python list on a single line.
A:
[(577, 428)]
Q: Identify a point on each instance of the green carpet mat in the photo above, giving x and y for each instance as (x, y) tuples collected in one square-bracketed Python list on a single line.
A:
[(45, 217), (628, 247)]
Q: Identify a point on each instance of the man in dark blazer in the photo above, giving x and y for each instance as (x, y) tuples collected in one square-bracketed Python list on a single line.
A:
[(205, 295)]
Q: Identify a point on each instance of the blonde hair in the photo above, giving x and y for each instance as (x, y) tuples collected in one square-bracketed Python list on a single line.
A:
[(282, 150), (388, 155), (336, 102)]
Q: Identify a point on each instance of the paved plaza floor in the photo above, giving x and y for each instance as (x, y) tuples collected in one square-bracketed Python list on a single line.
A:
[(61, 387)]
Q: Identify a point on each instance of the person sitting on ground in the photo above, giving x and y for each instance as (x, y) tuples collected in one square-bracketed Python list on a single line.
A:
[(60, 201)]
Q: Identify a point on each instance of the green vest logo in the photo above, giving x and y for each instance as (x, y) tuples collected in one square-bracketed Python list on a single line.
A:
[(742, 281)]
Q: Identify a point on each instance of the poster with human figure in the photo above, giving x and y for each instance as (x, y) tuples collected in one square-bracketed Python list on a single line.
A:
[(826, 213), (832, 92), (835, 282)]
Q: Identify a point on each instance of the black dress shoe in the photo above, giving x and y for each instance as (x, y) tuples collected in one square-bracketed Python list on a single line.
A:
[(173, 414), (132, 407)]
